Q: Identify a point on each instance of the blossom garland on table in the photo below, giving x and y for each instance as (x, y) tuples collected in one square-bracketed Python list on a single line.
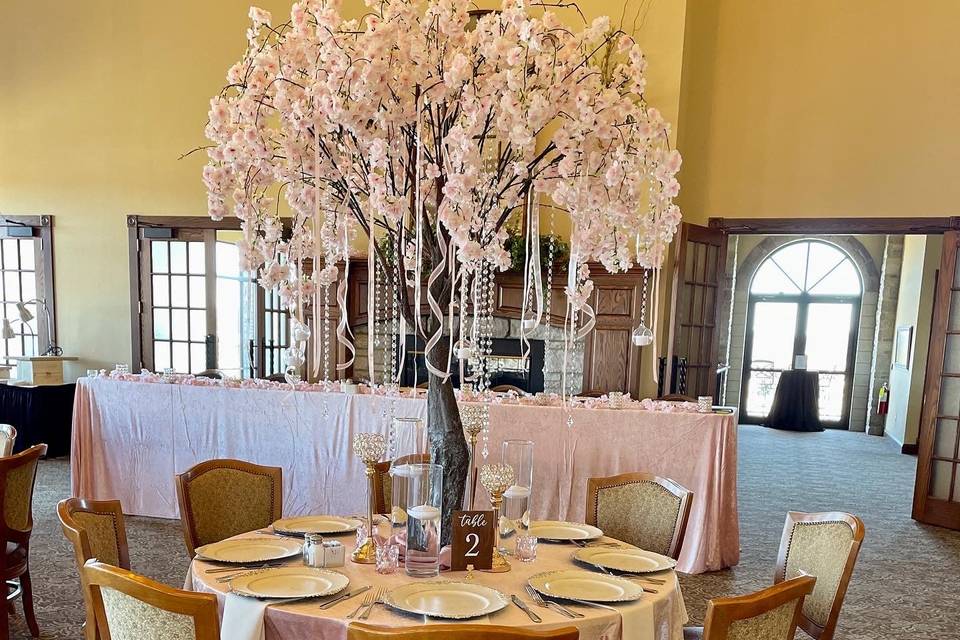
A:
[(430, 126)]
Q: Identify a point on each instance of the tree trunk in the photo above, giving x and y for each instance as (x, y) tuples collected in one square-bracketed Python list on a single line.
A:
[(447, 442)]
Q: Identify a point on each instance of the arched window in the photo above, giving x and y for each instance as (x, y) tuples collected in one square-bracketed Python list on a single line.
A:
[(804, 301)]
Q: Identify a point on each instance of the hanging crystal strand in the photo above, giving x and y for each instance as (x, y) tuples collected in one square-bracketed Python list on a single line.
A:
[(395, 329), (377, 329), (551, 252), (326, 332)]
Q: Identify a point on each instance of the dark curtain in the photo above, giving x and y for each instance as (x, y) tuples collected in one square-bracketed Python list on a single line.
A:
[(40, 414)]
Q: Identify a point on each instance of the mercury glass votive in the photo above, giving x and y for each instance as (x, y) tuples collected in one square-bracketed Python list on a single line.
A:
[(497, 478), (369, 447)]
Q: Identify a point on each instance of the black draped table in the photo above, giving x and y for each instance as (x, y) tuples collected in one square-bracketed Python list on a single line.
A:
[(796, 402), (40, 414)]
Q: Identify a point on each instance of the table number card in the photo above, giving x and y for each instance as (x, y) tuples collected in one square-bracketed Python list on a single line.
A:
[(472, 541)]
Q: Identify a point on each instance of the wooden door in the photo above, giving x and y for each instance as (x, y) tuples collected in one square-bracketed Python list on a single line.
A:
[(936, 497), (699, 268)]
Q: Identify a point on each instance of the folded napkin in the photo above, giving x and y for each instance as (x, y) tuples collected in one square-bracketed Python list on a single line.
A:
[(242, 618)]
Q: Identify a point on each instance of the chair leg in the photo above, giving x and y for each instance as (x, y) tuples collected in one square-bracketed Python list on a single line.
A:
[(5, 618), (28, 605)]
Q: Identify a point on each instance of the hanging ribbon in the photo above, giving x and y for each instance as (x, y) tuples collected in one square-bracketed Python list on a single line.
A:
[(343, 328), (436, 311), (317, 302), (531, 275)]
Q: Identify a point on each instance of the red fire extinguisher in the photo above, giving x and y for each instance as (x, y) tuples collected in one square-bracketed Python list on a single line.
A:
[(883, 401)]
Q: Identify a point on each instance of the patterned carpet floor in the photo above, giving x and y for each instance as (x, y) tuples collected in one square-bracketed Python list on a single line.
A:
[(900, 589)]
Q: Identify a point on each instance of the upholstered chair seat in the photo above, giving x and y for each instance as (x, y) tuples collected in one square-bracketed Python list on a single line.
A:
[(97, 532), (131, 607), (223, 498), (642, 509), (823, 545)]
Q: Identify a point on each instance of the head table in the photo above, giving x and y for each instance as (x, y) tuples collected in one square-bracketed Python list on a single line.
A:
[(131, 436), (655, 616)]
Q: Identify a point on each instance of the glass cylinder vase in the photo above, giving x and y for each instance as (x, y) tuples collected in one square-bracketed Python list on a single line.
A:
[(515, 512), (424, 504), (408, 447)]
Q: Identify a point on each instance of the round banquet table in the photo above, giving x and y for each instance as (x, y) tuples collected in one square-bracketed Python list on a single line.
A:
[(655, 616)]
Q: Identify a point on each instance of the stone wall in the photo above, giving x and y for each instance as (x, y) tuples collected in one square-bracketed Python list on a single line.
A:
[(886, 326)]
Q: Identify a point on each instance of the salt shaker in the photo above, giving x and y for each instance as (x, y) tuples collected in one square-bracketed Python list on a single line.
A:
[(313, 555)]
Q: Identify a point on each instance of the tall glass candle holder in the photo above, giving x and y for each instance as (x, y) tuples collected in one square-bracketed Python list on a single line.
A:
[(518, 455), (497, 478), (424, 503), (369, 447), (408, 447)]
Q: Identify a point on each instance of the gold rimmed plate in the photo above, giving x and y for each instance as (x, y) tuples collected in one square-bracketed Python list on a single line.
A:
[(577, 584), (450, 600), (322, 524), (250, 550), (563, 531), (627, 560), (289, 582)]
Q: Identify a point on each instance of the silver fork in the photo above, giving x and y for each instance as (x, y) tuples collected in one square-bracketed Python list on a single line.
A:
[(376, 600), (367, 601), (617, 575), (549, 604)]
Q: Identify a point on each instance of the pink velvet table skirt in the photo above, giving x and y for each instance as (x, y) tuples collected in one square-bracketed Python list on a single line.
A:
[(131, 438)]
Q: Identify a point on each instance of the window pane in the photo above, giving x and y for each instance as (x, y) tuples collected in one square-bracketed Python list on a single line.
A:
[(28, 285), (161, 291), (823, 258), (10, 256), (27, 257), (198, 292), (181, 357), (15, 346), (769, 279), (178, 257), (945, 439), (793, 260), (198, 325), (941, 473), (161, 355), (179, 329), (844, 280), (828, 336), (229, 317), (831, 396), (11, 284), (197, 257), (228, 259), (774, 326), (198, 357), (760, 392), (159, 258), (161, 324), (178, 291)]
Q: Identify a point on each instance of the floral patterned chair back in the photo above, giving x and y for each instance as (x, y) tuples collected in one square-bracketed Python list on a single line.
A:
[(97, 532), (770, 614), (8, 437), (130, 607), (823, 545), (223, 498), (642, 509)]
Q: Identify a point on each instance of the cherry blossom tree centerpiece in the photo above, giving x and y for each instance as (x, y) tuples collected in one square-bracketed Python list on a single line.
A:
[(419, 130)]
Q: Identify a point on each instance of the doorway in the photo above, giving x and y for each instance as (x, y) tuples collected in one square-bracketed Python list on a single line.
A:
[(804, 304)]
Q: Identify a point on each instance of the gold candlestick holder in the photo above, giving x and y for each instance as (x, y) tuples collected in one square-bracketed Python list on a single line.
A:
[(369, 447), (496, 478), (472, 425)]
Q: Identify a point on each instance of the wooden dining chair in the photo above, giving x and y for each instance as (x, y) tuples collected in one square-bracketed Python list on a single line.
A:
[(96, 531), (506, 388), (128, 606), (592, 393), (645, 510), (824, 545), (770, 614), (361, 631), (18, 476), (677, 397), (383, 481), (220, 499), (8, 437)]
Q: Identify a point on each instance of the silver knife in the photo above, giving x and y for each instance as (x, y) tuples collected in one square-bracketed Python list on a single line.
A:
[(343, 597), (523, 606)]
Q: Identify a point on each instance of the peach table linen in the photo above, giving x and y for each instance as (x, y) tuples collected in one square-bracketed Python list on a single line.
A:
[(131, 438), (656, 616)]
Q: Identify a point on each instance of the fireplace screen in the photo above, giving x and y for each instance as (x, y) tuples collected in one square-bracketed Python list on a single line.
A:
[(507, 366)]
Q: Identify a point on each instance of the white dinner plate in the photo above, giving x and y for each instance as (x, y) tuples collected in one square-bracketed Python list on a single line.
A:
[(250, 550), (289, 582), (453, 600), (315, 524), (627, 560), (556, 530), (576, 584)]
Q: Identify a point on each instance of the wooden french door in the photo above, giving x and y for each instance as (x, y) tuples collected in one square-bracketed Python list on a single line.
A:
[(699, 269), (936, 496)]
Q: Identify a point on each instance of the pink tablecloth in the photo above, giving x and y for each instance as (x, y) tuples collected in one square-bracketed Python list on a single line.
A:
[(131, 438)]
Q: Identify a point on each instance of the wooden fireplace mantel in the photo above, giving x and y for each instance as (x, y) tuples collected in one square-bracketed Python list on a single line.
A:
[(611, 362)]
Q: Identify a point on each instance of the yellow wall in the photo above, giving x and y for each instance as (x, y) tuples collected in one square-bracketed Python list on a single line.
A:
[(820, 108), (99, 98)]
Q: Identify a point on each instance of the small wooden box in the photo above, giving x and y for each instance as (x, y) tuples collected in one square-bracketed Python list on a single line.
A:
[(41, 370)]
